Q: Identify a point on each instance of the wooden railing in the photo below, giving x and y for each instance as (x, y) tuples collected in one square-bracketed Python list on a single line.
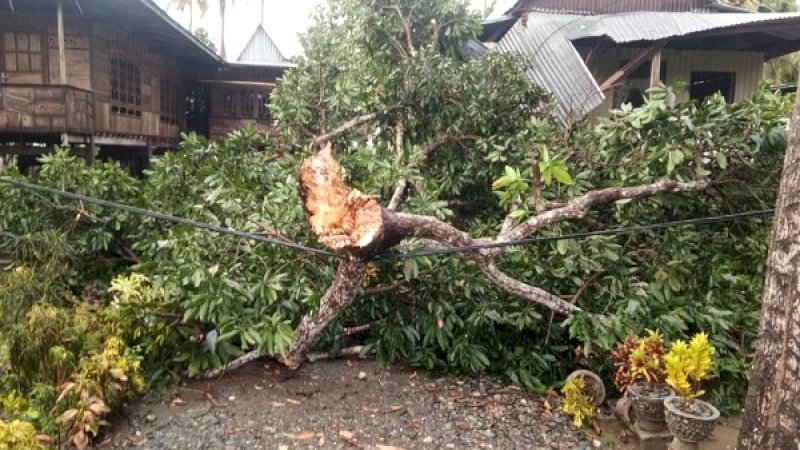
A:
[(36, 108)]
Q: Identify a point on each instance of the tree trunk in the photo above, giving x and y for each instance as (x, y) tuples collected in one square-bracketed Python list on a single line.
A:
[(222, 28), (772, 412)]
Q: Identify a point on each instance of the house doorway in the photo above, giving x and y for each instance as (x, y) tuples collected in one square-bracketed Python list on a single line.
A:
[(706, 84)]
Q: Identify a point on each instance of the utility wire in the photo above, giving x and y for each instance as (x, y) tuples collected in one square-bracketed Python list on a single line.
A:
[(564, 237), (167, 217), (389, 256)]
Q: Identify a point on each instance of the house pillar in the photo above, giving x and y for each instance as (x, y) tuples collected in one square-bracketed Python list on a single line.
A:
[(62, 54), (91, 151), (655, 69)]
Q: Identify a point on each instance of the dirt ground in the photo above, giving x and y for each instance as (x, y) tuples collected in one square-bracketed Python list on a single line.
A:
[(346, 404), (353, 403)]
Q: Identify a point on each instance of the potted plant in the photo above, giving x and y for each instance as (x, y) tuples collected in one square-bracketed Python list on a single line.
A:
[(579, 400), (641, 375), (690, 420)]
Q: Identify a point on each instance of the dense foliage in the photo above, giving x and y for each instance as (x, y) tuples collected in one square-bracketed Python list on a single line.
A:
[(96, 297)]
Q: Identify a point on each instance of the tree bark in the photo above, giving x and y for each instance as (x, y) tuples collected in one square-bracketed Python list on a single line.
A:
[(772, 412)]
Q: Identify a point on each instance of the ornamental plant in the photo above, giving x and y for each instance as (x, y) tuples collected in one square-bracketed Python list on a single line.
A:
[(688, 365), (577, 402), (640, 359), (17, 434)]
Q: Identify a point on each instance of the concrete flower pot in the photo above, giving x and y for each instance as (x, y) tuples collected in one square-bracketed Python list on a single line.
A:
[(648, 404), (689, 427), (594, 385)]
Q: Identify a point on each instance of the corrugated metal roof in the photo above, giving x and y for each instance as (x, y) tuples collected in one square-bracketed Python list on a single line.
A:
[(654, 26), (557, 67), (261, 50), (555, 64), (610, 6)]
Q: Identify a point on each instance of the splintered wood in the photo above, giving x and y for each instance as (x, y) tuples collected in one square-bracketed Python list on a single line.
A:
[(344, 219)]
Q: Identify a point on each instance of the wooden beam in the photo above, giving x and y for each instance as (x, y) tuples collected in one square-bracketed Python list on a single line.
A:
[(631, 66), (62, 54), (120, 141), (655, 69)]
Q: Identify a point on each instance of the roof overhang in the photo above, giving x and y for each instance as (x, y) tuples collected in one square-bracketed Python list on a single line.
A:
[(145, 17), (549, 41)]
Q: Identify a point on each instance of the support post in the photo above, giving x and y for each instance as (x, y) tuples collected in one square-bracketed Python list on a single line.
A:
[(62, 54), (91, 152), (655, 69)]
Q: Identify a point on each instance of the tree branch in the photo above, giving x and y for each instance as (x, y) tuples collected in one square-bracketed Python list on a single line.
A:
[(577, 207), (343, 128), (400, 189), (443, 138), (526, 291)]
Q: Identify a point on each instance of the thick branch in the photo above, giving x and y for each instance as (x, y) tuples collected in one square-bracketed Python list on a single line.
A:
[(442, 139), (532, 293), (577, 208), (336, 299), (399, 145), (343, 128)]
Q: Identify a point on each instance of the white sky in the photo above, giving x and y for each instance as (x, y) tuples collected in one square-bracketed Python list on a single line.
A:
[(283, 20)]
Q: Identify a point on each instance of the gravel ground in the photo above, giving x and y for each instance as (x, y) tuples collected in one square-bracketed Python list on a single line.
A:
[(346, 404)]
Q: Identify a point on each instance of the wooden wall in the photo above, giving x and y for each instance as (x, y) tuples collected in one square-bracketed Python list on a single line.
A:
[(50, 109), (748, 67), (224, 119), (111, 41), (90, 45)]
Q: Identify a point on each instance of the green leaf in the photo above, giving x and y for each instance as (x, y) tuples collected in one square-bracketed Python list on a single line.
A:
[(561, 174)]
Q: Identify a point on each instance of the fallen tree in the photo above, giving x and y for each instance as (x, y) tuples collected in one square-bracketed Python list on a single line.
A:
[(357, 227)]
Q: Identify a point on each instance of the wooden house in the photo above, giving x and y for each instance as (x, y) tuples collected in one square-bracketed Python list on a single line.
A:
[(117, 79), (595, 55)]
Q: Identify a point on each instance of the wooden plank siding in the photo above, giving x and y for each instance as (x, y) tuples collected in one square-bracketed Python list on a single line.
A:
[(49, 109), (36, 101), (678, 66)]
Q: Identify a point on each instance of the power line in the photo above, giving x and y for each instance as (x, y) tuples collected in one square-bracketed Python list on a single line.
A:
[(387, 257), (564, 237), (167, 217)]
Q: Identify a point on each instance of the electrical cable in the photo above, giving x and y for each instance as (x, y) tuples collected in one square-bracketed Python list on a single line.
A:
[(388, 256), (167, 217)]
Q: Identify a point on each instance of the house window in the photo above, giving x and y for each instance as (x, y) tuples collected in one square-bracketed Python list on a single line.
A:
[(169, 101), (126, 87), (263, 108), (246, 104), (706, 84), (230, 104), (632, 90), (22, 52)]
